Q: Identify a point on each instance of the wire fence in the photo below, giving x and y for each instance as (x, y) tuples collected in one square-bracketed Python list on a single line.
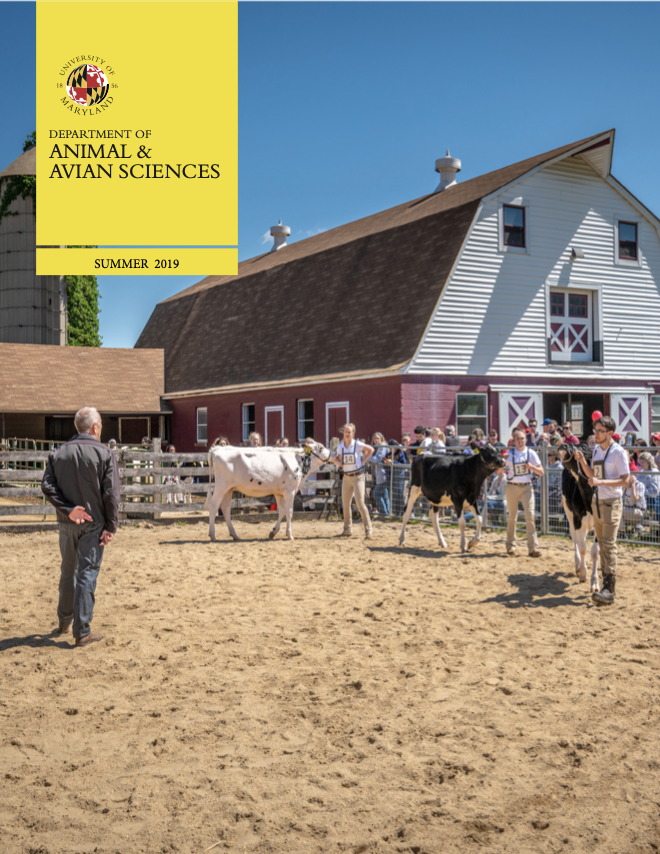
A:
[(388, 486)]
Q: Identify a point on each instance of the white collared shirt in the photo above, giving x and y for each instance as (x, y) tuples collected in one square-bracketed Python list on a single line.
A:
[(616, 465)]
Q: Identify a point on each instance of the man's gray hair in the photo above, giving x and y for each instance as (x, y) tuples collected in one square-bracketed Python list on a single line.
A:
[(85, 419)]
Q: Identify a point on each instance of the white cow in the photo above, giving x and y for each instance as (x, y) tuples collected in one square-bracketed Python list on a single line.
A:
[(257, 472)]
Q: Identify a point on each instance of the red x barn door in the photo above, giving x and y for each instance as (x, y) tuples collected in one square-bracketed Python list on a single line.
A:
[(571, 326)]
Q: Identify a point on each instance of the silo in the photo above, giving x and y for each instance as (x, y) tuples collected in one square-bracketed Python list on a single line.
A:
[(32, 308)]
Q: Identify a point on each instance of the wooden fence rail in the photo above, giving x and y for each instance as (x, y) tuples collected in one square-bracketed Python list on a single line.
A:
[(143, 479)]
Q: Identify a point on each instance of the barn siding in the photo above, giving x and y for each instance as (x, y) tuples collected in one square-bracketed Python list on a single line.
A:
[(491, 320), (431, 400), (374, 405)]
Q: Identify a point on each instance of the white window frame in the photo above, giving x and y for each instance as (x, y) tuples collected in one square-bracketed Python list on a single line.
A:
[(267, 410), (655, 413), (627, 262), (202, 440), (302, 432), (471, 394), (246, 433), (336, 405), (516, 202)]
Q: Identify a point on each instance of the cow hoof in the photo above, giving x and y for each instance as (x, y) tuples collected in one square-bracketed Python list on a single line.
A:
[(271, 536), (583, 580), (595, 588), (473, 544)]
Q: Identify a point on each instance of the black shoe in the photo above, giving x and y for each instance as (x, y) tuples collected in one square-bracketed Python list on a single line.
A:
[(606, 595)]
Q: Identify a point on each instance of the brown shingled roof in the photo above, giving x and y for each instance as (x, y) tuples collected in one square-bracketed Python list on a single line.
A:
[(60, 380), (356, 297)]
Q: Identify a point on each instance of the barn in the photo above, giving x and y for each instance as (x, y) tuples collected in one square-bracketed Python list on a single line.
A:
[(527, 292)]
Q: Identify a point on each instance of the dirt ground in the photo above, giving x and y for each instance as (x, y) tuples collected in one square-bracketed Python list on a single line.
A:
[(328, 695)]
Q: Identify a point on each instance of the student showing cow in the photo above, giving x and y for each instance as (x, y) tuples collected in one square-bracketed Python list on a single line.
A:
[(350, 456), (609, 472), (521, 463)]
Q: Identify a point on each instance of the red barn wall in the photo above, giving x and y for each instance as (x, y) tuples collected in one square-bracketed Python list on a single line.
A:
[(373, 405), (431, 400)]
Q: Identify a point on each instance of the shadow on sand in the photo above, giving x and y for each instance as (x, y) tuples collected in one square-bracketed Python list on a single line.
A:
[(53, 639), (539, 591)]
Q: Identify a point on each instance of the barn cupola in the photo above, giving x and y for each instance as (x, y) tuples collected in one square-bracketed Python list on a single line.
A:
[(279, 233), (447, 167)]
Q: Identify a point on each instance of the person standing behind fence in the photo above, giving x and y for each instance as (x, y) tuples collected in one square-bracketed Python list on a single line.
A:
[(451, 439), (521, 462), (438, 441), (350, 456), (381, 491), (651, 482), (397, 457), (610, 473), (81, 481)]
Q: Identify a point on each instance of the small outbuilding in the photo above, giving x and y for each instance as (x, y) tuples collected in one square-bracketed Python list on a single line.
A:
[(42, 387)]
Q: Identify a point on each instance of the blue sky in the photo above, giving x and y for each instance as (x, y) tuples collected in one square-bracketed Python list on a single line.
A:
[(344, 108)]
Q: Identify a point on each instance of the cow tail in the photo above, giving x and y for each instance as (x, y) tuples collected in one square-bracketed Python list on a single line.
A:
[(209, 491)]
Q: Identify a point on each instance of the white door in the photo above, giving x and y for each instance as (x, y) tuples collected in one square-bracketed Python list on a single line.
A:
[(336, 415), (571, 325), (631, 413), (274, 424), (516, 410)]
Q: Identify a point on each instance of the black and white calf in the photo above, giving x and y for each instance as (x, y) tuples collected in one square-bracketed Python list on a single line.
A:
[(576, 498), (451, 480)]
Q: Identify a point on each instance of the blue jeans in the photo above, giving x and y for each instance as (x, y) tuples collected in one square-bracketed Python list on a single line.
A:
[(382, 498), (81, 560)]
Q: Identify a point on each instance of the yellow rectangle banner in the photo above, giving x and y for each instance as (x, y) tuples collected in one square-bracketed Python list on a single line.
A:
[(137, 124), (132, 261)]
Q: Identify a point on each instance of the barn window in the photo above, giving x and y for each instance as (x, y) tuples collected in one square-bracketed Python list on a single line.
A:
[(627, 241), (577, 305), (471, 412), (556, 304), (202, 434), (249, 422), (305, 419), (514, 226)]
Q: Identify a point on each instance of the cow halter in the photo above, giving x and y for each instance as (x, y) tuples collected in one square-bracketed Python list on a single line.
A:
[(307, 459)]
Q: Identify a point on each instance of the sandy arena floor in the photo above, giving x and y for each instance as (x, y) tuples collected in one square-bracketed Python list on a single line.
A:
[(328, 695)]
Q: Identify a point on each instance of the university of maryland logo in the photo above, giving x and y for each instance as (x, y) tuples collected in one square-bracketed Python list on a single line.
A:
[(87, 85)]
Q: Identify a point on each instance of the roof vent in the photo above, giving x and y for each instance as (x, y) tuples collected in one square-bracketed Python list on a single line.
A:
[(279, 233), (447, 167)]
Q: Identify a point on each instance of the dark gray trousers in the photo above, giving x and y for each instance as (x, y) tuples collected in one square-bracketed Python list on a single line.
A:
[(81, 560)]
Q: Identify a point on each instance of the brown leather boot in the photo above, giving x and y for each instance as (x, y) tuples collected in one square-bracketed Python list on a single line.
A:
[(90, 638)]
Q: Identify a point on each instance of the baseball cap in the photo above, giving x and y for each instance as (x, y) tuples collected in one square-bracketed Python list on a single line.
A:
[(656, 436), (616, 437), (596, 414), (547, 421)]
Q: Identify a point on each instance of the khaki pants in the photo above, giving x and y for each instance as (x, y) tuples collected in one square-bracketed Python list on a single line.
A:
[(354, 486), (606, 527), (523, 492)]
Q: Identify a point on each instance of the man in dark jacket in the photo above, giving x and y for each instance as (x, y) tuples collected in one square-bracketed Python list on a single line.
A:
[(82, 482)]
